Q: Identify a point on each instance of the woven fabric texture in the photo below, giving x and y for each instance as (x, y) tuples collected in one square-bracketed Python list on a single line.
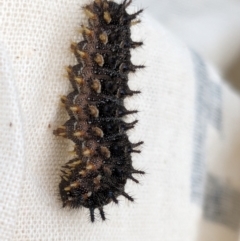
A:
[(35, 37)]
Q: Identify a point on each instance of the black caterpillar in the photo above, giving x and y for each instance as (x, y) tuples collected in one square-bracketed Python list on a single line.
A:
[(103, 163)]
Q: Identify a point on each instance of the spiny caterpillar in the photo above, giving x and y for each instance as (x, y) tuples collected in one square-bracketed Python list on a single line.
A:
[(103, 163)]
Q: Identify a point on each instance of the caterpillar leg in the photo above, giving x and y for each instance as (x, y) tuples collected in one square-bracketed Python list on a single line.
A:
[(102, 213), (92, 214)]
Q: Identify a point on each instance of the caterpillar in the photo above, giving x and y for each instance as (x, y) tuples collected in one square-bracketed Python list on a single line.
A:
[(103, 153)]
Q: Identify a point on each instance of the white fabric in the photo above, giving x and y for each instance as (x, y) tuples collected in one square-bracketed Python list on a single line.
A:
[(35, 38), (11, 147), (212, 27)]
